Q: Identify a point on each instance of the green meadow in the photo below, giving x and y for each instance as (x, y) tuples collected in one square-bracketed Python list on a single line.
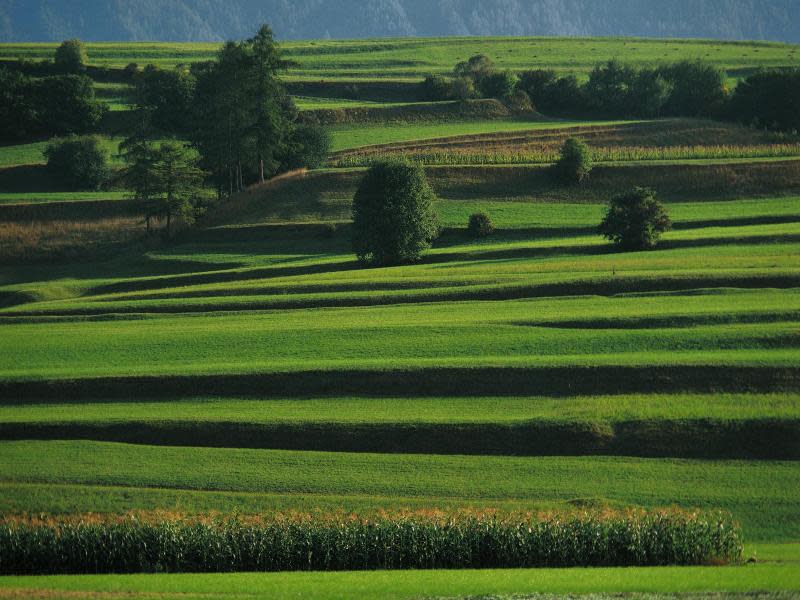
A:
[(250, 364)]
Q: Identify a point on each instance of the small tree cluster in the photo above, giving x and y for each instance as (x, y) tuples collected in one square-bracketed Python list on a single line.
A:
[(635, 220), (393, 215), (476, 77)]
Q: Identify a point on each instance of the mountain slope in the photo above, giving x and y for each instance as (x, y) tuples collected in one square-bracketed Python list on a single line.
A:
[(211, 20)]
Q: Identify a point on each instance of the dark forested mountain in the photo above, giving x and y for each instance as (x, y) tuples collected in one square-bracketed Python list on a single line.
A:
[(210, 20)]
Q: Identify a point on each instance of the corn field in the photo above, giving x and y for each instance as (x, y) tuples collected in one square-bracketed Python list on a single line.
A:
[(390, 541), (546, 155)]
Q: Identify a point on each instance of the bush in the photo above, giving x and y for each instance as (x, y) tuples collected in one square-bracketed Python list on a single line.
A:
[(423, 540), (575, 161), (463, 88), (393, 217), (480, 225), (71, 57), (81, 163), (519, 101), (435, 87), (635, 220), (308, 146), (500, 84)]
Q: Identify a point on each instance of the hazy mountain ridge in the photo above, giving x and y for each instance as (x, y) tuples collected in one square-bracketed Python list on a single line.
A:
[(211, 20)]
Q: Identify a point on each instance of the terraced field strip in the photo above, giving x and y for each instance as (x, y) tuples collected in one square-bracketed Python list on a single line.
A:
[(620, 141), (681, 425), (761, 494), (413, 58)]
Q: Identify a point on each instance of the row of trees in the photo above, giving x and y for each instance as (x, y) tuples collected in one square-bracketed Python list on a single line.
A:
[(689, 88)]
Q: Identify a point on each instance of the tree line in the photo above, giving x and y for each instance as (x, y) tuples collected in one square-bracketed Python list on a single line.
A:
[(768, 98)]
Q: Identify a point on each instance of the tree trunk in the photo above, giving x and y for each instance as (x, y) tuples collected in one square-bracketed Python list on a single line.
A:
[(169, 220), (261, 170)]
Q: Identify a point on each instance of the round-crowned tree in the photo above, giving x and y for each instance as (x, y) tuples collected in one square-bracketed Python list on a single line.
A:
[(393, 216), (575, 162), (635, 220), (80, 163), (71, 57)]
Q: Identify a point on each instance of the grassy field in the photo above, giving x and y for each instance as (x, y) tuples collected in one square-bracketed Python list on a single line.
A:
[(408, 58), (251, 365), (539, 583)]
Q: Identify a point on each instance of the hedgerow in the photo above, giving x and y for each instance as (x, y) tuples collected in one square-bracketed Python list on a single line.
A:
[(416, 540)]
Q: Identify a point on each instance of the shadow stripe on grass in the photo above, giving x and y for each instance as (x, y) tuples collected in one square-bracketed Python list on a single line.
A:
[(768, 439), (445, 382)]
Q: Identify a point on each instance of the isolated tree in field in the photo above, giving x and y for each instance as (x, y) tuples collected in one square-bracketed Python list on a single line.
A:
[(80, 163), (393, 216), (71, 57), (575, 161), (635, 220)]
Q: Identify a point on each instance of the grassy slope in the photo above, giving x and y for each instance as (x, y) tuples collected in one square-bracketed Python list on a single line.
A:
[(760, 493), (406, 585), (414, 58)]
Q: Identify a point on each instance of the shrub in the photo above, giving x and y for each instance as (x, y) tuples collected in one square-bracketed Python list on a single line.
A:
[(519, 101), (575, 161), (480, 225), (393, 217), (71, 57), (416, 540), (500, 84), (130, 71), (81, 163), (463, 88), (435, 87), (635, 220), (308, 146)]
